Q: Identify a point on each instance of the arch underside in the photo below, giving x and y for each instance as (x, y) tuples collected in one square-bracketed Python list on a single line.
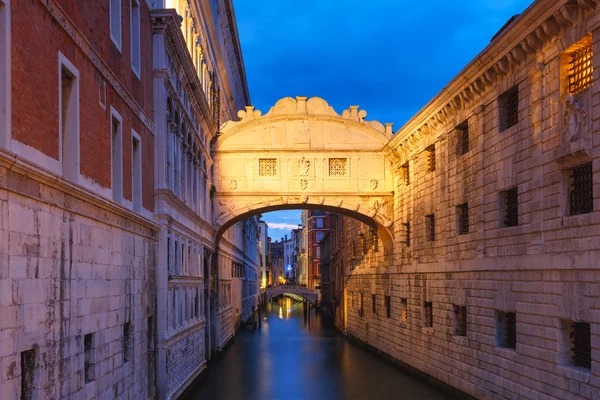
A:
[(370, 211)]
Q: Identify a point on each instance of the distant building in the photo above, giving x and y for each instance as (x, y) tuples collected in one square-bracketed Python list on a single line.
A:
[(316, 225), (277, 260), (263, 249)]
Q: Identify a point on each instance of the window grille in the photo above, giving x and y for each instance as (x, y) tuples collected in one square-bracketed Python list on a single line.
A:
[(407, 229), (510, 199), (126, 342), (388, 306), (581, 69), (374, 303), (267, 167), (361, 310), (430, 158), (462, 146), (406, 174), (460, 320), (462, 212), (404, 310), (430, 227), (27, 374), (88, 358), (509, 108), (581, 348), (428, 314), (506, 329), (337, 166), (581, 196)]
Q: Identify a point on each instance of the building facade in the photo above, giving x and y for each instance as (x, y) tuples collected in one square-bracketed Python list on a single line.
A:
[(277, 262), (317, 225), (78, 239)]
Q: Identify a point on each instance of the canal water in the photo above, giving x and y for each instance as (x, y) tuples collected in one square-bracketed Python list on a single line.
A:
[(290, 359)]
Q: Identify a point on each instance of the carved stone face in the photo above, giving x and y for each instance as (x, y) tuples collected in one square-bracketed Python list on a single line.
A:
[(374, 184), (233, 184), (303, 184)]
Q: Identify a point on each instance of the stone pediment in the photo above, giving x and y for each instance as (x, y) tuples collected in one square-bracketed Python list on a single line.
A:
[(303, 124)]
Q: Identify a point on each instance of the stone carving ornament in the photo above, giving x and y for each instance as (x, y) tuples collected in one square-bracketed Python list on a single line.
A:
[(374, 184), (575, 118), (303, 184), (233, 184), (304, 166)]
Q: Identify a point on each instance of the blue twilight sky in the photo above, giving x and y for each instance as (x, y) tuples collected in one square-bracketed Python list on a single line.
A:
[(390, 57)]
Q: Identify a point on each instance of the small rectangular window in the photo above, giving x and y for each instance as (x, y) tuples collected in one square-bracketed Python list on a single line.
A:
[(136, 180), (319, 236), (404, 310), (388, 306), (135, 38), (581, 194), (460, 320), (462, 219), (581, 68), (428, 308), (509, 207), (89, 357), (115, 22), (319, 223), (127, 342), (579, 344), (361, 310), (267, 167), (406, 233), (430, 227), (116, 156), (462, 146), (338, 166), (430, 154), (27, 374), (374, 303), (506, 329), (508, 104)]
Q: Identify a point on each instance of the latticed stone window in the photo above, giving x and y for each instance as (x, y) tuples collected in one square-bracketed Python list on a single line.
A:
[(509, 108), (428, 307), (267, 167), (578, 343), (506, 329), (388, 306), (404, 310), (581, 196), (509, 207), (581, 69), (430, 227), (462, 216), (430, 154), (338, 166), (462, 147), (460, 320)]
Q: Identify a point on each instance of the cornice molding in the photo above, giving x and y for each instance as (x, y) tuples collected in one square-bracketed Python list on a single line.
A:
[(541, 23)]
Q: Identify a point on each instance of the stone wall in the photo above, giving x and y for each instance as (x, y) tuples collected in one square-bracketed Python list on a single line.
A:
[(73, 265)]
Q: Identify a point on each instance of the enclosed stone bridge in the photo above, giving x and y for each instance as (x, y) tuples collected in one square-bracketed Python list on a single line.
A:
[(310, 295), (303, 155)]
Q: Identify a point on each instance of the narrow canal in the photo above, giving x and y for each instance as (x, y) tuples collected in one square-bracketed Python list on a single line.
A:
[(289, 359)]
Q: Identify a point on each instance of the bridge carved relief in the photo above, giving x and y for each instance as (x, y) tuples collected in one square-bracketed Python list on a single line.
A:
[(303, 155)]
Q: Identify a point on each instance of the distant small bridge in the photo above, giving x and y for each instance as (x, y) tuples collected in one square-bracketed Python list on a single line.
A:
[(311, 295)]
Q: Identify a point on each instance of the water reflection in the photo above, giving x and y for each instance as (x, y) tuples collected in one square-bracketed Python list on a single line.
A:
[(293, 357)]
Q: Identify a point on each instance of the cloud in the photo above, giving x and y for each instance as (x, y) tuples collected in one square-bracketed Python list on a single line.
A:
[(282, 226)]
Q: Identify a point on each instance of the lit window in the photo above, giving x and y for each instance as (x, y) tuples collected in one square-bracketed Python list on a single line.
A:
[(404, 310), (338, 166), (267, 167), (135, 38), (581, 69), (115, 22), (319, 222)]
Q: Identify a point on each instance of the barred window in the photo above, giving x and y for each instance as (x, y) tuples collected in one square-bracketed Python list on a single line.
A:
[(581, 196), (428, 307), (580, 344), (375, 243), (462, 146), (388, 306), (581, 69), (430, 153), (509, 108), (462, 215), (430, 227), (374, 303), (361, 310), (338, 166), (506, 329), (460, 320), (509, 207), (404, 310), (405, 174), (267, 167), (407, 233)]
